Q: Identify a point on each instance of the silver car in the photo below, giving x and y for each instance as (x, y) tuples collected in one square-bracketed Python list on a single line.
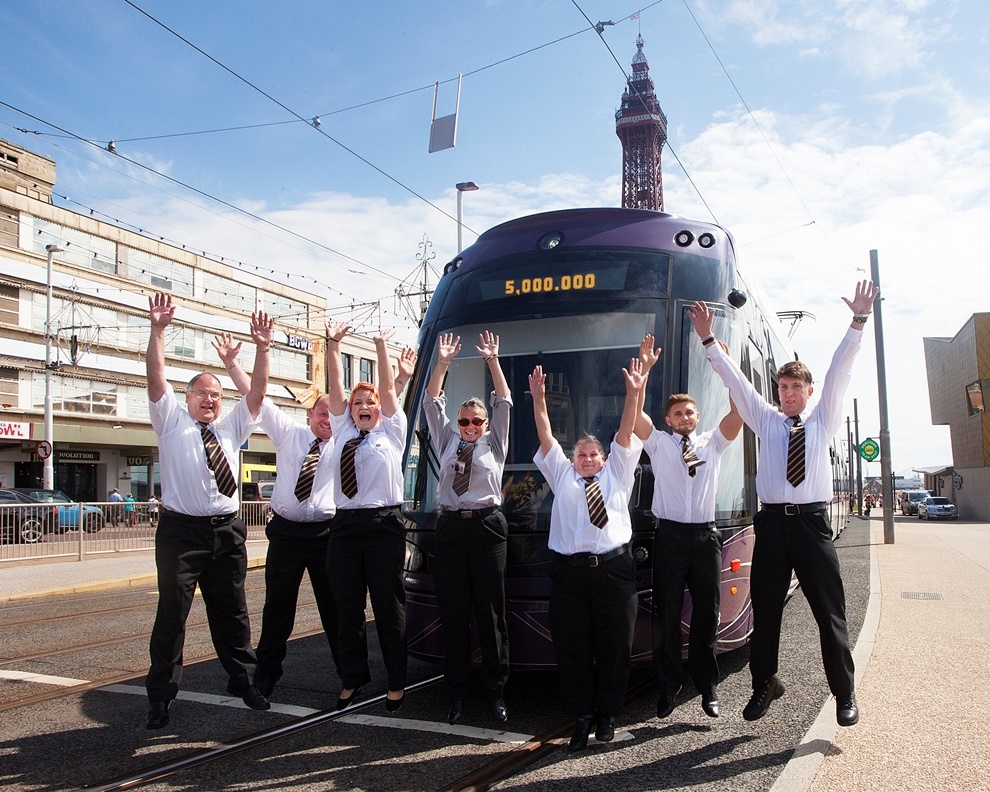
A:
[(937, 509)]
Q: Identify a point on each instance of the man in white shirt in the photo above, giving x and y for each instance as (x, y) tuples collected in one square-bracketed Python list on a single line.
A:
[(794, 483), (687, 549)]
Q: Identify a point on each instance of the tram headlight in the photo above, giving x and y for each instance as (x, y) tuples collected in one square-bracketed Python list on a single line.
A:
[(683, 238), (450, 266), (737, 298), (640, 554), (706, 240), (550, 241)]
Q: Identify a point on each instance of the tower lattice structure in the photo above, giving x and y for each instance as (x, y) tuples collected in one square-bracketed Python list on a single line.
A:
[(642, 128)]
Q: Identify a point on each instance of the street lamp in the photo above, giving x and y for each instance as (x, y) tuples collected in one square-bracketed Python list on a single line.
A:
[(462, 187), (48, 474)]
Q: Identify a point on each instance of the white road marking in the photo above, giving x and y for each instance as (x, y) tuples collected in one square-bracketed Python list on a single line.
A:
[(473, 732), (217, 701), (42, 679)]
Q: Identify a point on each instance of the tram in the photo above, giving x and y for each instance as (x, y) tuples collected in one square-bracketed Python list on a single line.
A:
[(575, 291)]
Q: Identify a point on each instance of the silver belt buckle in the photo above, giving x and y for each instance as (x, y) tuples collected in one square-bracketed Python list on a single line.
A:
[(467, 514), (593, 561), (790, 509)]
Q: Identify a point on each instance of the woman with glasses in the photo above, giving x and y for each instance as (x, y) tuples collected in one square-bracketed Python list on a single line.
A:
[(469, 567)]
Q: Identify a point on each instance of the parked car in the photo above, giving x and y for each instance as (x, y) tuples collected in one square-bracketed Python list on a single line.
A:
[(68, 509), (911, 499), (23, 520), (933, 508)]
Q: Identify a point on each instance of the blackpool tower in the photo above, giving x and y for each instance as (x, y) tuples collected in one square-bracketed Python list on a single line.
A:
[(642, 128)]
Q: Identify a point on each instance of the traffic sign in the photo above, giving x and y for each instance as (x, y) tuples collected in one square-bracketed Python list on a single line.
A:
[(869, 449), (43, 449)]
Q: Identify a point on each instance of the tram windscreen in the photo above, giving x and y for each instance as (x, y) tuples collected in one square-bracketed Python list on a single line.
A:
[(582, 357)]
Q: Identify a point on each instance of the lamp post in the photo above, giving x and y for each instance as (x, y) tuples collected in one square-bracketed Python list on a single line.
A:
[(48, 474), (462, 187)]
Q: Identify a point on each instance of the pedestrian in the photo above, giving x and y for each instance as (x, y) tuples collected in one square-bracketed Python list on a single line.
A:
[(130, 517), (469, 563), (153, 510), (687, 549), (298, 533), (367, 546), (114, 508), (794, 484), (593, 597), (200, 541)]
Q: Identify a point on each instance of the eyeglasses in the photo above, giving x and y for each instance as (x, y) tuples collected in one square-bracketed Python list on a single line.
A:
[(467, 421), (206, 395)]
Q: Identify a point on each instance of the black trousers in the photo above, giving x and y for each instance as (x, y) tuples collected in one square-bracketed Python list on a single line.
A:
[(288, 557), (592, 616), (686, 554), (365, 556), (802, 543), (190, 552), (469, 573)]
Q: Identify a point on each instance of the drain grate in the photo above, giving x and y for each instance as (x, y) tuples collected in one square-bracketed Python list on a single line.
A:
[(921, 595)]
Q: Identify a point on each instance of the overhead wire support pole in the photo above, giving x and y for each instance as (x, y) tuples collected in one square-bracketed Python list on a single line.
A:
[(886, 465)]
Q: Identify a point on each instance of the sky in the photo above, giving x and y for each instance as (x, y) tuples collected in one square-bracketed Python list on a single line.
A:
[(814, 130)]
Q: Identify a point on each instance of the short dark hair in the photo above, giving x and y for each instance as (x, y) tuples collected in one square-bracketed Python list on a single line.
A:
[(678, 398), (796, 369)]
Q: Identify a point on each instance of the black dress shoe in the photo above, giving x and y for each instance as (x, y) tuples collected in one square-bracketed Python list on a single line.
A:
[(846, 711), (158, 714), (665, 705), (498, 710), (265, 684), (344, 703), (456, 711), (392, 705), (763, 696), (709, 703), (250, 696), (581, 731), (605, 730)]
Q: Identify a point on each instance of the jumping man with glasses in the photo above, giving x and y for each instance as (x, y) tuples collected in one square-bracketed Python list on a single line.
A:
[(471, 533)]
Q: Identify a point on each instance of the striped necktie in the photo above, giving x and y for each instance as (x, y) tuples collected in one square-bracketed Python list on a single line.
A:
[(217, 462), (304, 484), (690, 458), (462, 478), (348, 471), (596, 503), (795, 453)]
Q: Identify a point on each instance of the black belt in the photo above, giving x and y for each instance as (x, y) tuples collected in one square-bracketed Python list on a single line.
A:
[(791, 509), (590, 560), (468, 514), (691, 526), (215, 520)]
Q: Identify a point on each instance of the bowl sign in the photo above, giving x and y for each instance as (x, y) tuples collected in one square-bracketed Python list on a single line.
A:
[(869, 450)]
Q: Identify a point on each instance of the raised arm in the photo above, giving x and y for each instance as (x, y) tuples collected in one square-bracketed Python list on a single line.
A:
[(862, 303), (224, 344), (488, 349), (538, 390), (262, 332), (335, 367), (447, 348), (730, 425), (386, 386), (648, 357), (632, 408), (407, 365), (161, 312)]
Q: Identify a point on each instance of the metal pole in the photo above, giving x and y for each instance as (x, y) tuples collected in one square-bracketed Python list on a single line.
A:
[(460, 200), (849, 445), (859, 458), (48, 472), (886, 464)]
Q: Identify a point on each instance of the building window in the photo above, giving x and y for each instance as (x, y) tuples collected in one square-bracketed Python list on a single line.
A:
[(347, 361), (78, 247), (8, 387), (228, 293), (285, 310), (9, 300), (367, 370), (158, 272), (8, 227), (974, 398)]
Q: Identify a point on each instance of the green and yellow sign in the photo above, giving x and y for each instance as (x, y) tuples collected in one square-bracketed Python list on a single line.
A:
[(869, 449)]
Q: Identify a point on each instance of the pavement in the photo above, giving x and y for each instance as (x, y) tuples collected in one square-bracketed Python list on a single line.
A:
[(922, 659)]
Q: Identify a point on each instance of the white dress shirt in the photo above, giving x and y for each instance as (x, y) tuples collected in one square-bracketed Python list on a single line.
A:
[(676, 495), (487, 461), (378, 461), (821, 422), (188, 485), (571, 530), (292, 443)]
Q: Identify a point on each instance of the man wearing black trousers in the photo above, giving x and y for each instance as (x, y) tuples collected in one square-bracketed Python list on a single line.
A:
[(200, 540), (794, 483)]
